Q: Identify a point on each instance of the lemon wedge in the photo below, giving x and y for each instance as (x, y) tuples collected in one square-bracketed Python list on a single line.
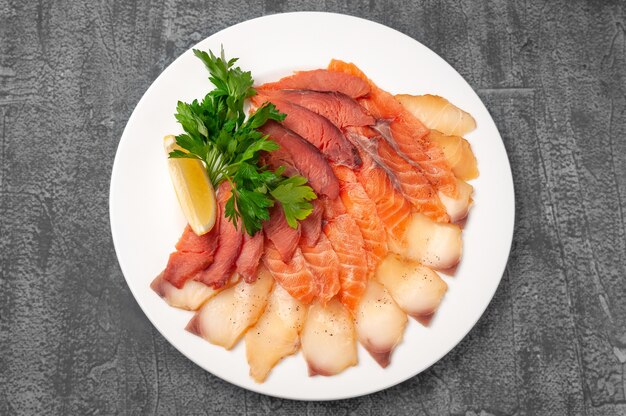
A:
[(193, 188)]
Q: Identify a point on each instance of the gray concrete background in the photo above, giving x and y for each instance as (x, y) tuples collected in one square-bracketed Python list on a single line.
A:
[(72, 338)]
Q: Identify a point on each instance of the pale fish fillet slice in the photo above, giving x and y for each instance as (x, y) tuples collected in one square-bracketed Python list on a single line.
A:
[(438, 113), (457, 208), (191, 296), (458, 154), (379, 323), (417, 290), (276, 334), (328, 339), (434, 244), (225, 318)]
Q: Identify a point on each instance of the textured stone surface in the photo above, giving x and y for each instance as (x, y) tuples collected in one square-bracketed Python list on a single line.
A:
[(73, 340)]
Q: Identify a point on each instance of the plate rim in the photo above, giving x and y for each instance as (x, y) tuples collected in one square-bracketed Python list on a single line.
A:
[(305, 14)]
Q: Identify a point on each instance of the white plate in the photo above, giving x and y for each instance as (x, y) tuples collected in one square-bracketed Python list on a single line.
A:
[(146, 220)]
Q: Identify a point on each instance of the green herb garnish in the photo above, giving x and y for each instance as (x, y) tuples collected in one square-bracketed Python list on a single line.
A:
[(218, 133)]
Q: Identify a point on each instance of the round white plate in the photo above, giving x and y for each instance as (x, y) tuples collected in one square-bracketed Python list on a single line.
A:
[(146, 220)]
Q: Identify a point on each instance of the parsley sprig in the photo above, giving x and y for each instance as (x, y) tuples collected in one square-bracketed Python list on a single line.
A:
[(218, 133)]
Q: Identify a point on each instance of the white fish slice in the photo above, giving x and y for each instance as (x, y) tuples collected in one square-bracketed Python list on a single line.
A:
[(328, 339), (380, 323), (417, 290), (225, 318), (434, 244), (276, 334), (191, 296)]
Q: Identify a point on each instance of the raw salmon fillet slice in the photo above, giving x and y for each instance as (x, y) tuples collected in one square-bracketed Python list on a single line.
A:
[(363, 210), (393, 209), (404, 131), (345, 237), (278, 231), (423, 153), (248, 260), (315, 129), (303, 156), (229, 244), (294, 276), (340, 109), (322, 80), (414, 184), (323, 263)]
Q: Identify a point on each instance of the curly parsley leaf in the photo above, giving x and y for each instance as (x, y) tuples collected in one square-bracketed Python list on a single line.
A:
[(294, 197), (218, 133)]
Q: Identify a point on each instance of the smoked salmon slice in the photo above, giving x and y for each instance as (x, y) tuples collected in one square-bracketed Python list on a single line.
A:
[(284, 238), (315, 129), (282, 158), (248, 260), (404, 131), (346, 240), (182, 266), (333, 208), (229, 244), (414, 184), (294, 276), (194, 243), (340, 109), (323, 263), (312, 225), (194, 254), (322, 80), (363, 210), (304, 157)]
